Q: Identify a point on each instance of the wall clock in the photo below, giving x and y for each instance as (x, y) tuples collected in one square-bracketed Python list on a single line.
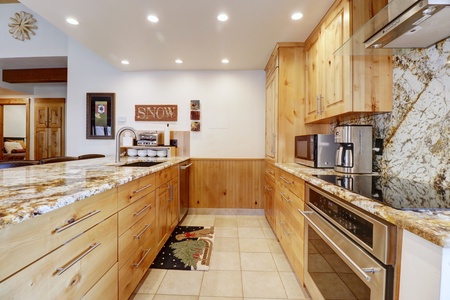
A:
[(22, 26)]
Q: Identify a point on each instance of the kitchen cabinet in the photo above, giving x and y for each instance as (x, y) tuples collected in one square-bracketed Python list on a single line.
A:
[(290, 225), (62, 254), (269, 194), (341, 86), (166, 203), (284, 95), (49, 128), (136, 231)]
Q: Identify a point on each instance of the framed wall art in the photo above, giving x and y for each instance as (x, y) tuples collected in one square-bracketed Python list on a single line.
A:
[(100, 119)]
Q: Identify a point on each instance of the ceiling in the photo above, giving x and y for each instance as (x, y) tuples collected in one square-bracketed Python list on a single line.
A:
[(187, 29)]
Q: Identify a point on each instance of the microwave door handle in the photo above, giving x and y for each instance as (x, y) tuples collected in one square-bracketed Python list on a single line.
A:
[(358, 268)]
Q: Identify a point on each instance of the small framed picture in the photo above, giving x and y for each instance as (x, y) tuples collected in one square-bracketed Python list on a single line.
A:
[(195, 104), (195, 126), (195, 115)]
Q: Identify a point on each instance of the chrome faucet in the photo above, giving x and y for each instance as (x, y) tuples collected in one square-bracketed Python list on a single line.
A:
[(119, 132)]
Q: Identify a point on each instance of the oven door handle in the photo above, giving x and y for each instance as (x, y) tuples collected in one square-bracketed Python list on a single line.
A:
[(360, 270)]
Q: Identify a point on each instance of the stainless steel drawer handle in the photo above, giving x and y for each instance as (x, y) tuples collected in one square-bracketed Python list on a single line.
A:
[(71, 222), (185, 166), (143, 257), (142, 210), (285, 180), (350, 261), (142, 188), (77, 259), (138, 236), (285, 198)]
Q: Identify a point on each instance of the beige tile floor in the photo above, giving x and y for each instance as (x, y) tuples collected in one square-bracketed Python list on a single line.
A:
[(247, 262)]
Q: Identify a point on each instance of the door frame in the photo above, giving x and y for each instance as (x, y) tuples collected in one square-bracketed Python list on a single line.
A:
[(17, 101)]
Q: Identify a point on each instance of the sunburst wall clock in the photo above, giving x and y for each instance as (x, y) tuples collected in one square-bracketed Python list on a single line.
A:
[(22, 26)]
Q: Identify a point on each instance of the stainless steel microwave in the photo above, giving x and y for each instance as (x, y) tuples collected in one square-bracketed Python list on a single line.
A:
[(315, 150)]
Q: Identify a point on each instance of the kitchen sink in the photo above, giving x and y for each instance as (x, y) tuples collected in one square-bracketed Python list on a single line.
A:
[(143, 164)]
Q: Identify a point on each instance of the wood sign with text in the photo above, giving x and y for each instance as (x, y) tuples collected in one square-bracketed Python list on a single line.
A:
[(156, 113)]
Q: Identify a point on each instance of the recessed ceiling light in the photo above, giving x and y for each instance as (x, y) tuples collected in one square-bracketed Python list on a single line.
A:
[(178, 61), (225, 60), (72, 21), (297, 16), (222, 17), (125, 62), (153, 19)]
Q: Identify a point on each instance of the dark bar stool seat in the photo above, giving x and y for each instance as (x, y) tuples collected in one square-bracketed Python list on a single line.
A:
[(89, 156), (17, 163), (56, 159)]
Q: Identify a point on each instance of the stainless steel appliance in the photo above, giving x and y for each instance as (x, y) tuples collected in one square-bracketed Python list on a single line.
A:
[(396, 192), (315, 150), (354, 148), (183, 205), (148, 139), (411, 24), (350, 254)]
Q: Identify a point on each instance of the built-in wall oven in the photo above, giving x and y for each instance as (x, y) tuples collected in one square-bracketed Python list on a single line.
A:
[(350, 254)]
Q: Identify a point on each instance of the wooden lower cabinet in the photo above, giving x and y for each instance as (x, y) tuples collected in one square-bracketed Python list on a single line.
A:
[(71, 270), (106, 287), (290, 224), (269, 194)]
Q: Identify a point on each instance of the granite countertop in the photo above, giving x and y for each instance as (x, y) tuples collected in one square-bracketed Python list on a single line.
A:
[(433, 226), (31, 191)]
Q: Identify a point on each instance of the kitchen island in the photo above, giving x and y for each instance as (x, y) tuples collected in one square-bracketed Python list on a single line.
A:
[(85, 228), (423, 254)]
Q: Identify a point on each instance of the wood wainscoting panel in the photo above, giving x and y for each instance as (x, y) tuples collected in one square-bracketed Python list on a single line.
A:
[(227, 183)]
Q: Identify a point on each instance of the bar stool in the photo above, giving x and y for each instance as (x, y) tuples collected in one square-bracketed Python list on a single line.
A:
[(56, 159), (17, 163), (89, 156)]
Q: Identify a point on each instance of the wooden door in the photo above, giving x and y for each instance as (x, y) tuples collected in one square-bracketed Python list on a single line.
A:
[(314, 70), (337, 67), (49, 128)]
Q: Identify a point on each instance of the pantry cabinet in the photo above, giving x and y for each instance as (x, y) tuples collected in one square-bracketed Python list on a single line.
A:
[(284, 96), (290, 224), (340, 86)]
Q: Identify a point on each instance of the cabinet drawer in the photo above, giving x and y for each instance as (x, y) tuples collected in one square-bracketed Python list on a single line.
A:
[(292, 182), (290, 198), (270, 170), (166, 174), (106, 287), (70, 271), (134, 190), (135, 212), (135, 236), (28, 241), (136, 267)]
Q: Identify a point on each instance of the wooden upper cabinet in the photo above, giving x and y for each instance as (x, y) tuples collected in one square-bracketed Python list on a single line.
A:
[(341, 86)]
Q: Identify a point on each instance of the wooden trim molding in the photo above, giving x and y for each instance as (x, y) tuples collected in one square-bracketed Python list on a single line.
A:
[(35, 75), (227, 183)]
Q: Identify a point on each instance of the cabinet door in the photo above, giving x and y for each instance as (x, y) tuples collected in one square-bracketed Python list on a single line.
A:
[(41, 116), (269, 204), (271, 114), (335, 32), (55, 116), (162, 209), (314, 69), (54, 143), (173, 205)]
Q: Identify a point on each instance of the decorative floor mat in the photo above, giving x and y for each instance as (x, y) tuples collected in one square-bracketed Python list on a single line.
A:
[(188, 248)]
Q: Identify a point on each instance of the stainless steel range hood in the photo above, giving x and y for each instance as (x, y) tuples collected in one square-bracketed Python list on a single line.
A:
[(401, 24)]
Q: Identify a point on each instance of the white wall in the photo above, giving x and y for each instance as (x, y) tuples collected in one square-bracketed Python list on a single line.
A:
[(14, 120), (232, 105)]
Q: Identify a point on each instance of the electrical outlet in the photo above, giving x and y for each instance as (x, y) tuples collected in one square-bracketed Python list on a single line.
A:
[(378, 146)]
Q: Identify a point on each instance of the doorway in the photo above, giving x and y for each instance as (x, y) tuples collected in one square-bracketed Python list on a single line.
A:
[(26, 138)]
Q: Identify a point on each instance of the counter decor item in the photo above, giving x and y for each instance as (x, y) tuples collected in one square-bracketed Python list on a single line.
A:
[(151, 153), (167, 136), (132, 152), (142, 152), (161, 153)]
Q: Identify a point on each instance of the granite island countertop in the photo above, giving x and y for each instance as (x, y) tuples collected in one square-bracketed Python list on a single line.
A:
[(433, 226), (30, 191)]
